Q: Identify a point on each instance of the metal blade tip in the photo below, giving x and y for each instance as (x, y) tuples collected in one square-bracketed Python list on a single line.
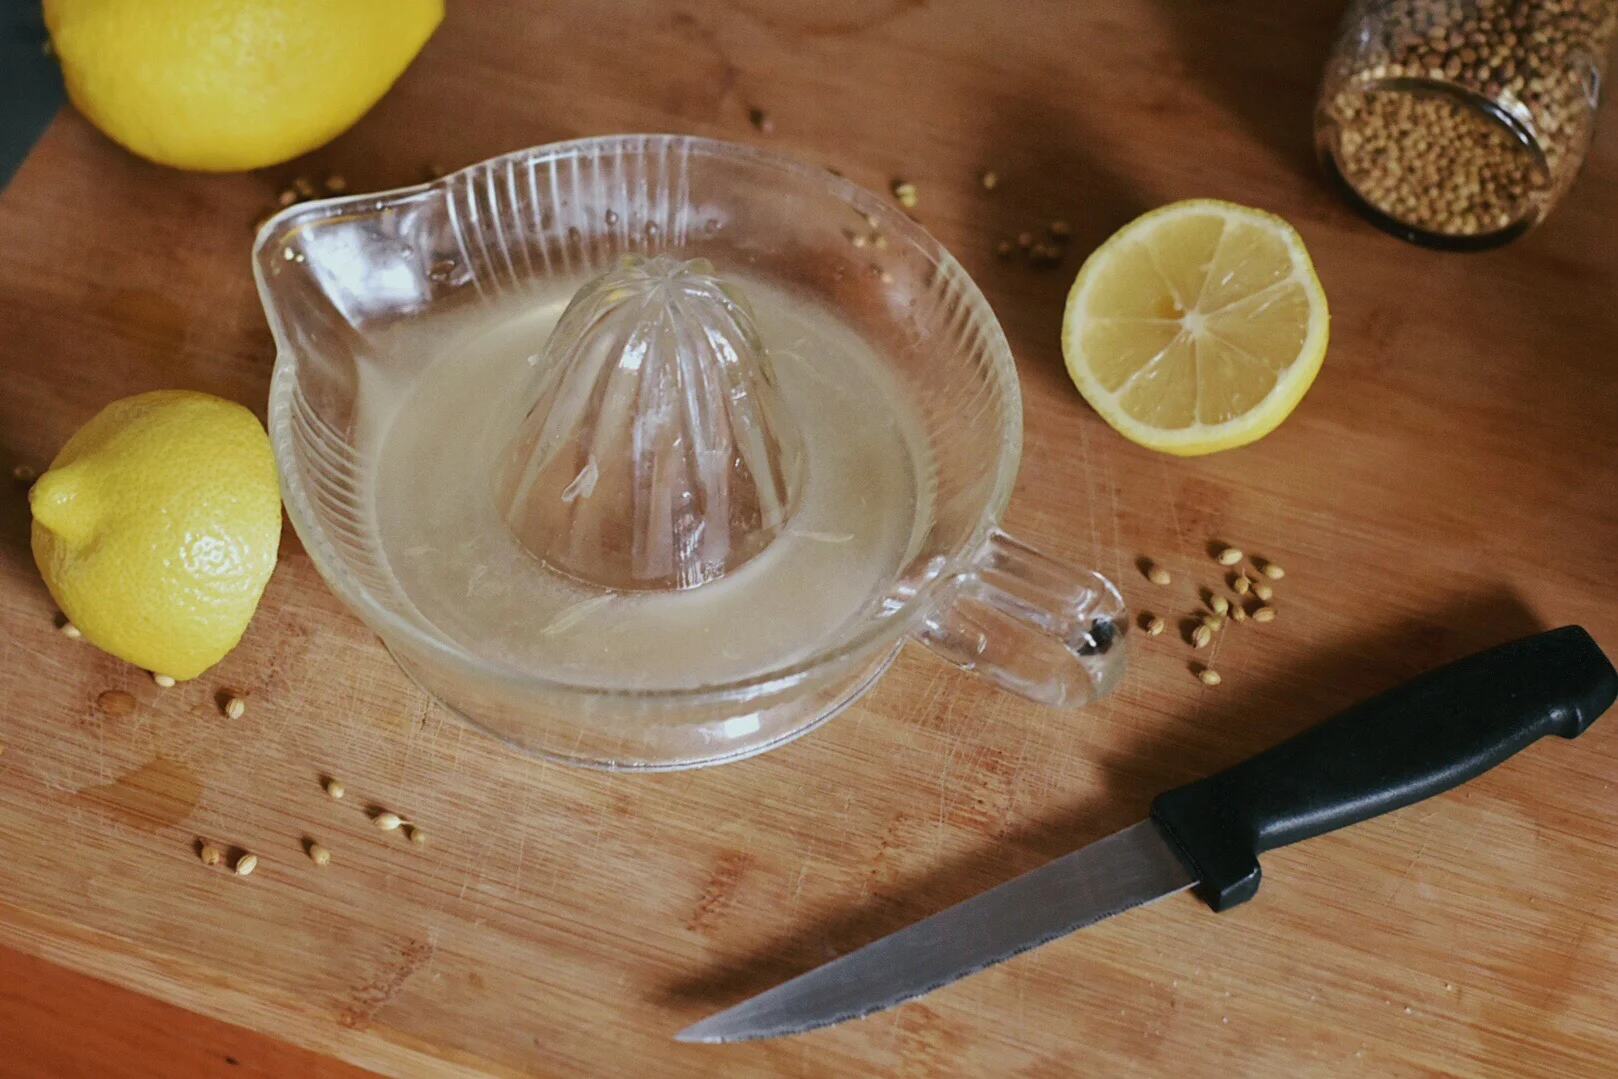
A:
[(711, 1031), (741, 1024), (1123, 870)]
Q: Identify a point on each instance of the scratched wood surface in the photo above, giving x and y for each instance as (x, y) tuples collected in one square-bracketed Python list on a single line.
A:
[(1450, 482), (56, 1023)]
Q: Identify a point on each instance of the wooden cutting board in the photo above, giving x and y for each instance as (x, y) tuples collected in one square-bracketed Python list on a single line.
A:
[(1450, 482)]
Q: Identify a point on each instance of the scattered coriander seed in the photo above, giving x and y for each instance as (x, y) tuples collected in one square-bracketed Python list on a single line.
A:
[(990, 180), (1060, 229), (1045, 255), (1273, 571), (1025, 240), (1230, 556), (1159, 575), (319, 855), (1201, 636), (1238, 613), (1213, 622), (1002, 249), (163, 681), (905, 192), (235, 708), (1154, 627), (857, 240), (336, 183), (334, 789), (210, 854), (1243, 584), (1264, 614), (871, 222), (70, 631), (880, 242), (246, 864), (1209, 677), (289, 254), (387, 821), (1220, 604), (304, 186), (24, 473), (1263, 591), (286, 198), (417, 836), (886, 278)]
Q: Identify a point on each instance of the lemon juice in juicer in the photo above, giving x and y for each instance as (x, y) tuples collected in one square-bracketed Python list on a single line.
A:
[(634, 461)]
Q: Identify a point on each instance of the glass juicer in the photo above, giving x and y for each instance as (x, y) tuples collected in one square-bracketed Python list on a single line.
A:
[(634, 460)]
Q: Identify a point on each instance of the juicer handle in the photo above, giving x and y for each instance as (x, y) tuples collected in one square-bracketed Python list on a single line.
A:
[(1043, 630)]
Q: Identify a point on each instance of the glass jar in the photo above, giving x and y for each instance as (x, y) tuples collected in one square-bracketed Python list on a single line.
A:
[(1460, 123)]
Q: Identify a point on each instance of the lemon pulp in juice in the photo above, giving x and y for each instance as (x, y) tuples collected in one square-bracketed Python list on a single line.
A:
[(442, 413)]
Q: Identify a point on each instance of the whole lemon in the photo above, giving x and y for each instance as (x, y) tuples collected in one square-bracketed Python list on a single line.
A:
[(156, 528), (224, 85)]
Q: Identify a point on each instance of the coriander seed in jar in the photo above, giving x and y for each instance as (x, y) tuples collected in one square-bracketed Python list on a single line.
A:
[(1460, 123)]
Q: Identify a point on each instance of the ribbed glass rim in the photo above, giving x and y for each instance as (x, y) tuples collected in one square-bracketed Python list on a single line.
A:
[(874, 634)]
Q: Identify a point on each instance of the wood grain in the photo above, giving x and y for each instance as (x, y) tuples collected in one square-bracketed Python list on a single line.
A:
[(58, 1024), (1451, 481)]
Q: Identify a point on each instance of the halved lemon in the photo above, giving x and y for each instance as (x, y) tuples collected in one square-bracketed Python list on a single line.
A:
[(1197, 327)]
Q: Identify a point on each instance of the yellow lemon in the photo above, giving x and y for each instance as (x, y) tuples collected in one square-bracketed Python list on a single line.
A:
[(224, 85), (1197, 327), (156, 528)]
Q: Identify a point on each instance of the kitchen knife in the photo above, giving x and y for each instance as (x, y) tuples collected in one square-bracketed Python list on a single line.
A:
[(1412, 742)]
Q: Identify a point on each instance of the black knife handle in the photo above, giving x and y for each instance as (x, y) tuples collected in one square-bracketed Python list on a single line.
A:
[(1418, 739)]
